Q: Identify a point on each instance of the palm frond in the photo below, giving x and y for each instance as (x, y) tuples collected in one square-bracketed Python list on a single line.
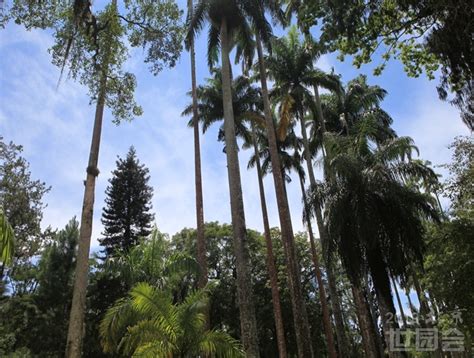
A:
[(7, 239)]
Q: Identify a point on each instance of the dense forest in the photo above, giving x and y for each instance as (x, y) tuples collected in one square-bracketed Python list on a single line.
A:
[(384, 267)]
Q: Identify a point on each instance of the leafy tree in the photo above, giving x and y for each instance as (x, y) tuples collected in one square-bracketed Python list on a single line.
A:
[(450, 248), (21, 202), (126, 217), (150, 324), (92, 46), (37, 321), (424, 36), (459, 186), (223, 307)]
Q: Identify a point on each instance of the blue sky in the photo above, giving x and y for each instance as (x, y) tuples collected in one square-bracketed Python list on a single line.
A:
[(54, 125)]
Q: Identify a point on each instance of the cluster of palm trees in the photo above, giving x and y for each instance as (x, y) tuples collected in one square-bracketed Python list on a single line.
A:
[(368, 208)]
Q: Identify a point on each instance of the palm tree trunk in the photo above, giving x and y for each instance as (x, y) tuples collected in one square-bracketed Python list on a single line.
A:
[(336, 305), (78, 306), (424, 308), (248, 323), (322, 291), (375, 316), (201, 240), (300, 317), (410, 303), (272, 271), (399, 301), (366, 326), (324, 235), (381, 282)]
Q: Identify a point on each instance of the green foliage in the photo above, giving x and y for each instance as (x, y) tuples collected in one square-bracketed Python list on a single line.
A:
[(7, 240), (126, 217), (93, 47), (35, 320), (459, 187), (448, 268), (149, 324), (21, 201), (423, 35), (223, 300)]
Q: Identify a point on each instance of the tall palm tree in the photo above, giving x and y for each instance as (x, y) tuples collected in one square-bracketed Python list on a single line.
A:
[(375, 219), (262, 32), (292, 162), (343, 109), (291, 66), (149, 324), (245, 100), (201, 240), (227, 20)]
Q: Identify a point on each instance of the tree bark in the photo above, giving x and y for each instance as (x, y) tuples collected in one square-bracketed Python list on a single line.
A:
[(300, 317), (271, 267), (248, 323), (317, 270), (200, 240), (367, 329)]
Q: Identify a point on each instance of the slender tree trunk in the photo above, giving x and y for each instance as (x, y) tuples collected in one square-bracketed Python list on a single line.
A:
[(317, 270), (336, 305), (300, 317), (410, 303), (271, 267), (399, 301), (381, 282), (248, 323), (324, 235), (375, 317), (76, 326), (424, 308), (366, 326), (201, 240), (76, 317)]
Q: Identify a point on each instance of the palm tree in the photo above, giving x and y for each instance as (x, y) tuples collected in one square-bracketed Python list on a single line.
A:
[(374, 218), (291, 67), (227, 20), (201, 241), (245, 100), (149, 324), (292, 162)]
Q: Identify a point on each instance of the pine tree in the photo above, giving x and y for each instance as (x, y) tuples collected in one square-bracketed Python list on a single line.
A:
[(127, 217)]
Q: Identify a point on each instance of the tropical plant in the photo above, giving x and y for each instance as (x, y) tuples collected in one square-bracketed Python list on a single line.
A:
[(366, 203), (7, 240), (149, 324)]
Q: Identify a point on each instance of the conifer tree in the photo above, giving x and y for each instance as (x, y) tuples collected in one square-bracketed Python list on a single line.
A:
[(126, 217)]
